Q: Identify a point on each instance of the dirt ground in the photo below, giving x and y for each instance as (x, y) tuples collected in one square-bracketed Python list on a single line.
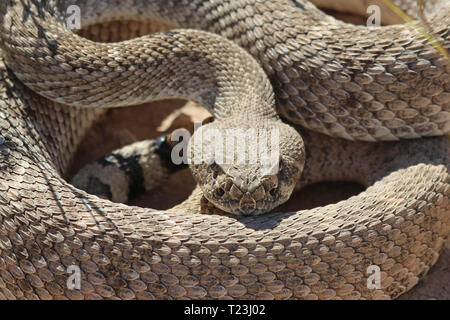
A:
[(126, 125)]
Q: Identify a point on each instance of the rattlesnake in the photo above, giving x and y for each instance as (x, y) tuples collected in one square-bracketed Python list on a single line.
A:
[(398, 224)]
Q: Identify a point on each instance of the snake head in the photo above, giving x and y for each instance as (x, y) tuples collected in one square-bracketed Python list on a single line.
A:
[(247, 170)]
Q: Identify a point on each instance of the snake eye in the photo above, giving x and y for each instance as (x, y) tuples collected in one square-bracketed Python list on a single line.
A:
[(273, 192)]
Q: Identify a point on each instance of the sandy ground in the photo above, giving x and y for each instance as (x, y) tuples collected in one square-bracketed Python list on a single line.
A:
[(126, 125)]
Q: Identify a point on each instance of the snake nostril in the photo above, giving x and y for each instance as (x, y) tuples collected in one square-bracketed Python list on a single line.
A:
[(273, 192)]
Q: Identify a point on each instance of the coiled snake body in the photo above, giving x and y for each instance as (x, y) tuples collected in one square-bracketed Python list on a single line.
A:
[(378, 84)]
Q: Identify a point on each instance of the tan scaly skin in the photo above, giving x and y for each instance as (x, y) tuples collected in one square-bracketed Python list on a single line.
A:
[(398, 224)]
